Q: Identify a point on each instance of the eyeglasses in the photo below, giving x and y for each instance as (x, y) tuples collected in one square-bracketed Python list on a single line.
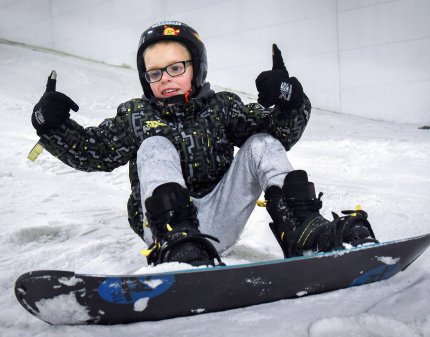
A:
[(173, 70)]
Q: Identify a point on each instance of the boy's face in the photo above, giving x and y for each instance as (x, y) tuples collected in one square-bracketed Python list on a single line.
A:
[(161, 55)]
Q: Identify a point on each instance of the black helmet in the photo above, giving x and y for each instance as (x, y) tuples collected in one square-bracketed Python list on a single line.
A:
[(174, 31)]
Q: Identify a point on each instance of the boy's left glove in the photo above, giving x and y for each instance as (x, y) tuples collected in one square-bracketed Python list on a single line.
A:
[(276, 87)]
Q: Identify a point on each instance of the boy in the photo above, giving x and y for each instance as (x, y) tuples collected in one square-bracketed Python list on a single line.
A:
[(178, 140)]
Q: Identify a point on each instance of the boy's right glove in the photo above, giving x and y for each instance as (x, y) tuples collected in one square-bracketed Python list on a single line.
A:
[(53, 108), (276, 87)]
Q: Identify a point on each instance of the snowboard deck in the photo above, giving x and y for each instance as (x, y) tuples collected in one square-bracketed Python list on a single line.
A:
[(63, 297)]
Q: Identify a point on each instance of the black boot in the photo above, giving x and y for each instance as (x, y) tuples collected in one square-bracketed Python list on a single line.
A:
[(172, 218), (298, 225)]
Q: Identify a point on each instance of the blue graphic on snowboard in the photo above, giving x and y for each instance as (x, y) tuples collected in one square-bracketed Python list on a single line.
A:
[(127, 291), (376, 274)]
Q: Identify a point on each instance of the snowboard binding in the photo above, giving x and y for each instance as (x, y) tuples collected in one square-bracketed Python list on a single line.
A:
[(354, 228), (298, 226), (172, 218)]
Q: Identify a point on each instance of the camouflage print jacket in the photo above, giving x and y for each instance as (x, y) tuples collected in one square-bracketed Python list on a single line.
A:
[(204, 132)]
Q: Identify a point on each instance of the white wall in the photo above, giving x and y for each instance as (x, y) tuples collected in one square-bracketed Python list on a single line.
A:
[(365, 57)]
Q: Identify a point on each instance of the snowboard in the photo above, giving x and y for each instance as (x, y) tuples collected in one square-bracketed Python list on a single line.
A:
[(64, 297)]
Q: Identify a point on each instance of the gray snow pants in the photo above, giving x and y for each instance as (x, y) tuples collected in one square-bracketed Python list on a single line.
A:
[(260, 162)]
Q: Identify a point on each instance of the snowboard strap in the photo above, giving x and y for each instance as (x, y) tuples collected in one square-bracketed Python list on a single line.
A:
[(352, 224), (323, 235), (158, 251)]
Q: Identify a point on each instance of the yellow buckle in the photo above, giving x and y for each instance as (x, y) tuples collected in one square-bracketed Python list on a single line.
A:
[(35, 151), (261, 203), (358, 207), (147, 252)]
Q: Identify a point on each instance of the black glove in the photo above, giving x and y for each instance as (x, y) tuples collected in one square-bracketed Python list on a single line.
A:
[(276, 87), (53, 108)]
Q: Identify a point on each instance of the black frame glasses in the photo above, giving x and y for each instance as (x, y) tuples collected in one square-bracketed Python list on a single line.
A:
[(155, 75)]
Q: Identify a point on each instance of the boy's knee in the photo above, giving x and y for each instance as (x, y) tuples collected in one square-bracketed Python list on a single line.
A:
[(261, 143), (156, 144)]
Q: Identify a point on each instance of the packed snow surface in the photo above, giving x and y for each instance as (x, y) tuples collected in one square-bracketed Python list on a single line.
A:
[(53, 217)]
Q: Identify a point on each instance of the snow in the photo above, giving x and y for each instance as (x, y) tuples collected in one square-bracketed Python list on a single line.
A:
[(141, 304), (301, 293), (53, 217), (70, 281), (198, 311), (362, 325), (388, 260), (62, 309)]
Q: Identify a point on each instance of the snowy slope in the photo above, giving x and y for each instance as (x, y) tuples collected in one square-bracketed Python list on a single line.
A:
[(53, 217)]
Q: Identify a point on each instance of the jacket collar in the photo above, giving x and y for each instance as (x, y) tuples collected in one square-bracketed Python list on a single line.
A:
[(178, 105)]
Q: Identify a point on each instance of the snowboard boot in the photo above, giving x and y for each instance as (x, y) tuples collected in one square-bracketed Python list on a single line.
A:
[(298, 226), (172, 218)]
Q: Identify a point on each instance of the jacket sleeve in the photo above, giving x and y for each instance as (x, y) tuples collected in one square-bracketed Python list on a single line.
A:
[(101, 148), (246, 120)]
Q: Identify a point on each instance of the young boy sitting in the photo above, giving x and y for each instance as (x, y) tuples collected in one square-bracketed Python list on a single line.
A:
[(179, 139)]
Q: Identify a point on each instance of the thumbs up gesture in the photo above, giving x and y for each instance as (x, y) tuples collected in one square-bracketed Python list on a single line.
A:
[(53, 108), (277, 87)]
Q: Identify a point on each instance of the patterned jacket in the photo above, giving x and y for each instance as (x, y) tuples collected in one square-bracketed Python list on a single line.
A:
[(204, 132)]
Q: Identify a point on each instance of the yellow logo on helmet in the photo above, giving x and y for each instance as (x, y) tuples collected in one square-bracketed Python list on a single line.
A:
[(171, 31)]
